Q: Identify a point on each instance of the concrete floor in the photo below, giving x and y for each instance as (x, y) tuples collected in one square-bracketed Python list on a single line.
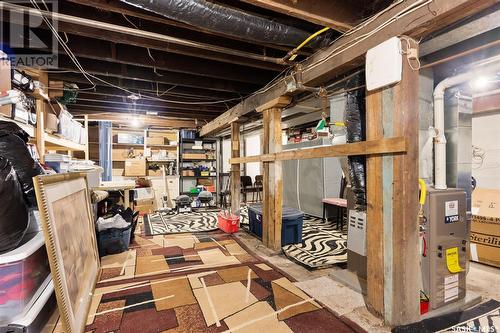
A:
[(344, 301)]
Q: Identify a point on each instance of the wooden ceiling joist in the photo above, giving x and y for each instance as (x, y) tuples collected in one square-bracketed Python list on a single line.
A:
[(148, 39), (111, 70), (336, 14), (421, 18)]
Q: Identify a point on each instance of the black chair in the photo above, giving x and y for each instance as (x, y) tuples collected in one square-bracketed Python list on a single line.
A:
[(259, 188), (225, 181), (246, 186)]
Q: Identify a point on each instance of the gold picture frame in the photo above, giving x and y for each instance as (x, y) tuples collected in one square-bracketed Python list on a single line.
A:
[(67, 223)]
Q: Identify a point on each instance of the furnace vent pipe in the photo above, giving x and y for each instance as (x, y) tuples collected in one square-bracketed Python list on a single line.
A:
[(440, 139), (230, 21)]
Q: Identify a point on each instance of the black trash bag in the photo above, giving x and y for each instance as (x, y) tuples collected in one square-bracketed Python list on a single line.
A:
[(13, 147), (14, 219), (356, 131)]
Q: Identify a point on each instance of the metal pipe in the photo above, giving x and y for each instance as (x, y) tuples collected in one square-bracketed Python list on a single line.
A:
[(440, 139), (136, 32)]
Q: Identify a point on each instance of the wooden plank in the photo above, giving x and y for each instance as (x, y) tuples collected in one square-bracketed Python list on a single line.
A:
[(266, 195), (149, 120), (275, 181), (40, 119), (343, 55), (278, 102), (375, 207), (405, 265), (370, 147), (235, 168), (86, 126), (335, 14)]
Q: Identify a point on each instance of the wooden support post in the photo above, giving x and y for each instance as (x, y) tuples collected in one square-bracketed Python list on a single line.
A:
[(375, 206), (406, 272), (273, 179), (235, 168), (40, 119), (392, 189)]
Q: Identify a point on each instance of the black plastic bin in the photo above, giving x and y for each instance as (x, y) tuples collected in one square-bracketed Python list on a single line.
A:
[(113, 240), (291, 228)]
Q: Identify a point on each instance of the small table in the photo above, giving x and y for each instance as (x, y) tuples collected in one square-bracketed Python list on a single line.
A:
[(340, 206), (118, 186)]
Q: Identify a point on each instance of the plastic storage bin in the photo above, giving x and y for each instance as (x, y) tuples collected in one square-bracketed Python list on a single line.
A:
[(24, 273), (34, 320), (228, 223), (113, 240), (291, 228)]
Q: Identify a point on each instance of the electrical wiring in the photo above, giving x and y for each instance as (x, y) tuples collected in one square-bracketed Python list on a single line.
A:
[(293, 53), (61, 41), (342, 48)]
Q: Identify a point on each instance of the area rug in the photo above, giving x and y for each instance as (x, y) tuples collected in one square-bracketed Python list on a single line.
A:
[(322, 244), (163, 223), (203, 282), (484, 317)]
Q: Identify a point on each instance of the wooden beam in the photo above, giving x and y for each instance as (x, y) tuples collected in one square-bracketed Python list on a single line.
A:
[(375, 207), (265, 176), (86, 126), (235, 168), (40, 119), (370, 147), (348, 52), (279, 102), (146, 120), (336, 14)]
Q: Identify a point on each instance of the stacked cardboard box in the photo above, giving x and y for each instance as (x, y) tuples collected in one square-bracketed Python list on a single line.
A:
[(485, 227)]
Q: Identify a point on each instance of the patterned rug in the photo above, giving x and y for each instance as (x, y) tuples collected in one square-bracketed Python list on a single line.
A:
[(203, 282), (322, 244), (484, 317), (162, 223)]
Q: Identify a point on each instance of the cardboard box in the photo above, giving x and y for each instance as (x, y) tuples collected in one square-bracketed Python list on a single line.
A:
[(58, 90), (188, 173), (135, 167), (154, 173), (485, 227), (156, 141), (194, 156), (51, 122), (145, 205)]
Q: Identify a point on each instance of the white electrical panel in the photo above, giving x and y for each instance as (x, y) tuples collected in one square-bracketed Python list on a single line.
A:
[(384, 64), (356, 232)]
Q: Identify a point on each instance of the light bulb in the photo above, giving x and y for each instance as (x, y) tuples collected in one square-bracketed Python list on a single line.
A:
[(480, 83)]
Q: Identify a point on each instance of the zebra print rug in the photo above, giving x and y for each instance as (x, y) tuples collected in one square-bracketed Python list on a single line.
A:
[(162, 223), (322, 244)]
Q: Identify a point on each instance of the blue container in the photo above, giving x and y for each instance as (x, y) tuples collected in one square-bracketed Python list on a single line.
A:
[(113, 240), (188, 134), (291, 227)]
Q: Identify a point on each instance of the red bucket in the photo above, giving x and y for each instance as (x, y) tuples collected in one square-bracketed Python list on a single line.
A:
[(228, 223)]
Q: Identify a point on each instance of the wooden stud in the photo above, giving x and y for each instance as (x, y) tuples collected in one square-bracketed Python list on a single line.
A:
[(265, 178), (276, 180), (375, 206), (40, 119), (86, 126), (370, 147), (235, 168)]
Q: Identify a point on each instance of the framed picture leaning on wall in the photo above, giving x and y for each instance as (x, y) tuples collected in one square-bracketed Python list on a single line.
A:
[(68, 226)]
